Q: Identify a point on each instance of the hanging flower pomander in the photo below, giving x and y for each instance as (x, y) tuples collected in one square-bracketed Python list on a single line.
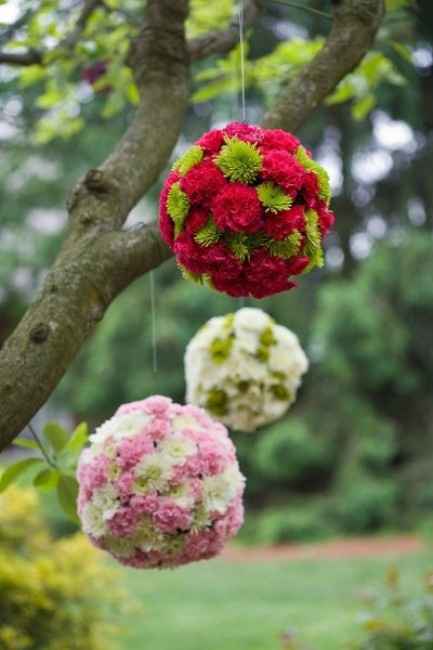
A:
[(244, 369), (160, 485), (245, 209)]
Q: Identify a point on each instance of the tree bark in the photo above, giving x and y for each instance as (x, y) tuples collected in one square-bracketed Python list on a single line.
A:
[(98, 259)]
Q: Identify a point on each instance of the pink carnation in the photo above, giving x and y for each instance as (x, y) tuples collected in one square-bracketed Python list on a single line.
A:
[(171, 518), (247, 132)]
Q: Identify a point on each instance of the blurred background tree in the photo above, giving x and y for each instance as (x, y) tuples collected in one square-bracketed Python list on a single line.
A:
[(355, 452)]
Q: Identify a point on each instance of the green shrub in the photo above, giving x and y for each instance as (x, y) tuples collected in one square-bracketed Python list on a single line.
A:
[(55, 595), (396, 622), (288, 451), (300, 522), (365, 504)]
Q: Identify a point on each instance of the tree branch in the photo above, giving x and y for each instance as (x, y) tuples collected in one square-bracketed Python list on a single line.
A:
[(98, 260), (354, 28), (222, 41), (32, 57), (36, 57)]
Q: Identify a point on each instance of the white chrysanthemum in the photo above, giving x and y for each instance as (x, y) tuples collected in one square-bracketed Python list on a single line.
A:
[(244, 369)]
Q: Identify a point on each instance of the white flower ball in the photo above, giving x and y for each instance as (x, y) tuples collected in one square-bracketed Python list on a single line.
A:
[(244, 369)]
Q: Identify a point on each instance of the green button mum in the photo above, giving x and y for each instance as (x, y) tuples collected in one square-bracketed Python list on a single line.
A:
[(177, 207), (239, 161)]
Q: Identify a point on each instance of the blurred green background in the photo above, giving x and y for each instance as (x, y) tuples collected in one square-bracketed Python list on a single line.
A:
[(355, 453)]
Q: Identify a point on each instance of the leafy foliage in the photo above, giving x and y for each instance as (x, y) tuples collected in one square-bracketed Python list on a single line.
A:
[(395, 621), (56, 464), (56, 595)]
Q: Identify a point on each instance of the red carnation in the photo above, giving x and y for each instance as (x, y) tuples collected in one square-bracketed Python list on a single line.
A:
[(266, 275), (189, 253), (247, 132), (282, 168), (205, 259), (165, 223), (310, 190), (281, 224), (235, 287), (212, 141), (237, 207), (202, 182), (279, 139), (326, 218), (296, 265), (197, 218)]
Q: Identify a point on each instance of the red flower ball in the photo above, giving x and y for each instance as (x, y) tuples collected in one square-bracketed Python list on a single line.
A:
[(245, 209)]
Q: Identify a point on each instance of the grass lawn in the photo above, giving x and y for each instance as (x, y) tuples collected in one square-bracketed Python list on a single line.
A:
[(246, 606)]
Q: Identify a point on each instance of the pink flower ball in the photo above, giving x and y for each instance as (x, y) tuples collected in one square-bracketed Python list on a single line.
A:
[(160, 485)]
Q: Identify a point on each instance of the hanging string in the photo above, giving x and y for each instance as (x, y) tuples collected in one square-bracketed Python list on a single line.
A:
[(241, 15), (242, 59), (153, 321)]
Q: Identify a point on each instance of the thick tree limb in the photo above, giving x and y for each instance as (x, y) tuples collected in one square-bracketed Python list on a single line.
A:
[(353, 31), (98, 260)]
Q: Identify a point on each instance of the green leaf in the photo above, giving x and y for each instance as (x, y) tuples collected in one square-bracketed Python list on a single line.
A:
[(403, 50), (32, 74), (67, 493), (46, 479), (13, 471), (362, 108), (78, 439), (26, 443), (56, 435), (132, 93)]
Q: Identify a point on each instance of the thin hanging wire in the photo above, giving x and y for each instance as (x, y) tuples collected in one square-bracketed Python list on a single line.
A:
[(153, 321), (241, 13)]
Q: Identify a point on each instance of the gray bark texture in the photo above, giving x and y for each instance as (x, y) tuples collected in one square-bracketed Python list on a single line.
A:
[(98, 258)]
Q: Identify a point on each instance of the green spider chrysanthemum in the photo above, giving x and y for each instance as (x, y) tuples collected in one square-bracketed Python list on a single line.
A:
[(207, 235), (322, 175), (238, 244), (279, 391), (204, 279), (177, 207), (273, 198), (267, 337), (189, 159), (313, 248), (217, 402), (287, 247), (220, 349), (239, 161)]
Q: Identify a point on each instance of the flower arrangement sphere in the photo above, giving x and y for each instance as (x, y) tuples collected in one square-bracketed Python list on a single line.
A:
[(160, 485), (244, 369), (245, 209)]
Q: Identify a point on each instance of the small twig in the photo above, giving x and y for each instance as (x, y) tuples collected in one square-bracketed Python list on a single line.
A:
[(309, 10), (41, 447)]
